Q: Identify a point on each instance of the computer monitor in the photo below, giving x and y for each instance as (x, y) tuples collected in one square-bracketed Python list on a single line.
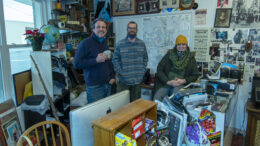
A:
[(81, 118)]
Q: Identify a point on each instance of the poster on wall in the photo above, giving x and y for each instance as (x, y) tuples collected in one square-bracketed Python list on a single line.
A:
[(200, 16), (160, 35), (245, 14), (201, 44)]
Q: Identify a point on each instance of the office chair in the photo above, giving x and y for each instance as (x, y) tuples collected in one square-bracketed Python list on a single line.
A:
[(45, 133)]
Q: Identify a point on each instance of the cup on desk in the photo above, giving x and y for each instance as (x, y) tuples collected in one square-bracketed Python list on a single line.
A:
[(203, 83), (108, 54)]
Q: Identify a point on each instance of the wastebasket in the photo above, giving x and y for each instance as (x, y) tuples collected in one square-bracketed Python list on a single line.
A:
[(34, 108)]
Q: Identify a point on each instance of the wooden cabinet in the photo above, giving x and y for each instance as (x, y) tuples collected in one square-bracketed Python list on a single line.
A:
[(120, 120), (253, 125)]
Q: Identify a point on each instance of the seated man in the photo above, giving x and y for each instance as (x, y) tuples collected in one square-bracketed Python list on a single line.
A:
[(177, 68)]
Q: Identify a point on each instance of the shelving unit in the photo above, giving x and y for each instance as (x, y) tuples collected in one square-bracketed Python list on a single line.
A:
[(107, 126), (44, 63)]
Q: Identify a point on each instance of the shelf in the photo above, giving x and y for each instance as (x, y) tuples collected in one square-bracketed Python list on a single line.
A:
[(121, 121), (76, 3), (151, 127), (64, 31), (59, 12)]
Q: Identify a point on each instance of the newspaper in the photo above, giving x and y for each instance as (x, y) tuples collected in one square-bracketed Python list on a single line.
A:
[(201, 44)]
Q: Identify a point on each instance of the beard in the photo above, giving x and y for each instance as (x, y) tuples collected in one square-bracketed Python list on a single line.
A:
[(131, 34)]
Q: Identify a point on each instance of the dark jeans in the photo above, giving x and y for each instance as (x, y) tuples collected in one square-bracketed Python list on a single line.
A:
[(166, 91), (97, 92), (135, 90)]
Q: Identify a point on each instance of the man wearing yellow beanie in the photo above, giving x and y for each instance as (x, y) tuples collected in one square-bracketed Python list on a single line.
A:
[(177, 68)]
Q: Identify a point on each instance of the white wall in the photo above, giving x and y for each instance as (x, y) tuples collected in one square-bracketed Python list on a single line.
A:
[(210, 5)]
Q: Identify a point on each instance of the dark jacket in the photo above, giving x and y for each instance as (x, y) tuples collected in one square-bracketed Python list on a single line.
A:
[(191, 71), (85, 58)]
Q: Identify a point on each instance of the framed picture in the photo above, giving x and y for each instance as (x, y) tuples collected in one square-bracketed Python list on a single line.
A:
[(20, 80), (164, 4), (12, 131), (222, 4), (123, 7), (222, 18), (2, 137), (7, 105), (147, 6), (186, 4)]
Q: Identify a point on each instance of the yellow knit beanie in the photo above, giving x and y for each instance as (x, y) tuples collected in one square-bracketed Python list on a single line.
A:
[(181, 40)]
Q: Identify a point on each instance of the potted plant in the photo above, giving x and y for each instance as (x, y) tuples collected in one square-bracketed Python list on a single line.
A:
[(35, 38)]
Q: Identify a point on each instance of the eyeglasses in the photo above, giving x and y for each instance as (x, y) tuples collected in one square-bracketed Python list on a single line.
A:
[(131, 27), (103, 27)]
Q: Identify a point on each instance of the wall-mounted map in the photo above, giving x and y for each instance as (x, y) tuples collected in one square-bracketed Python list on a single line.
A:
[(158, 31)]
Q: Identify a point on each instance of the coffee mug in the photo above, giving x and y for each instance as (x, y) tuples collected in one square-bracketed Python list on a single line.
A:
[(108, 54)]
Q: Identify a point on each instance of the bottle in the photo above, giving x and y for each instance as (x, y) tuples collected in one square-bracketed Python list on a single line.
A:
[(58, 5)]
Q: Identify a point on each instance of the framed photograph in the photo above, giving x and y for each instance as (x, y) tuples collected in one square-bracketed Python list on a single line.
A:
[(222, 18), (123, 7), (164, 4), (12, 131), (186, 4), (147, 6)]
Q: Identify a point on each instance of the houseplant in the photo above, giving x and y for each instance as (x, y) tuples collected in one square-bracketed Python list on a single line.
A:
[(35, 38)]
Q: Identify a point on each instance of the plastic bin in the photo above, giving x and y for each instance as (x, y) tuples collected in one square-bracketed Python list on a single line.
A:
[(34, 108)]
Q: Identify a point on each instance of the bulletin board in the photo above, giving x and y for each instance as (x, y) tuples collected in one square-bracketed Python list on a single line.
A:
[(158, 31), (20, 81)]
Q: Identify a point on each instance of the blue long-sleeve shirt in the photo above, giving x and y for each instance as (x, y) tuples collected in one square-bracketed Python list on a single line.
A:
[(85, 58)]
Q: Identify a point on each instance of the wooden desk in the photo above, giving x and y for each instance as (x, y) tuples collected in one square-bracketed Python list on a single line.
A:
[(253, 125)]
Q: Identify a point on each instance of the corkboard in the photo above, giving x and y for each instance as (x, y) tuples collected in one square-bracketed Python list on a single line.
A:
[(20, 80)]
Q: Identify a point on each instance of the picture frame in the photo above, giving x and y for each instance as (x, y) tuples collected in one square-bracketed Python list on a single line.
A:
[(147, 6), (164, 4), (223, 17), (20, 80), (123, 7), (2, 137), (12, 130), (186, 4), (7, 105)]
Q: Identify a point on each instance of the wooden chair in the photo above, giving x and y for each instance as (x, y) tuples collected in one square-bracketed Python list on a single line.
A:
[(46, 133)]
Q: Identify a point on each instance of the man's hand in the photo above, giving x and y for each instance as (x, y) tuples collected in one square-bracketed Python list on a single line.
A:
[(112, 81), (100, 58)]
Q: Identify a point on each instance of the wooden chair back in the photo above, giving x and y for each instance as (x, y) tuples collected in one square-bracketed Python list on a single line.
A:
[(46, 133)]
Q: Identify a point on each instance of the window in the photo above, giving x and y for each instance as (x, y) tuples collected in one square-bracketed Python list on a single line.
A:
[(20, 59), (15, 16), (18, 14), (1, 85)]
